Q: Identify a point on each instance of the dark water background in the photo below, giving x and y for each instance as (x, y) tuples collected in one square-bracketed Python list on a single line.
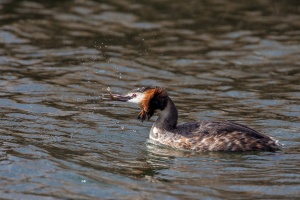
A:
[(219, 59)]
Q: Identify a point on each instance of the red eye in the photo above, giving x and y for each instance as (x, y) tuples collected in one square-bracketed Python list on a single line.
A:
[(134, 95)]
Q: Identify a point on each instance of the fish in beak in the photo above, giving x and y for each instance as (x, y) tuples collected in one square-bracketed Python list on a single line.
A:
[(116, 97)]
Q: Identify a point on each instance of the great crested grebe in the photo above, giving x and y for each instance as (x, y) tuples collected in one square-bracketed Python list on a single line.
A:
[(197, 136)]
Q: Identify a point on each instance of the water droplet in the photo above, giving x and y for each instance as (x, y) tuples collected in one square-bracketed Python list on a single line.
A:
[(122, 127)]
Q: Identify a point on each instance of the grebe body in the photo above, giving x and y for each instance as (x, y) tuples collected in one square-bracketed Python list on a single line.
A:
[(196, 136)]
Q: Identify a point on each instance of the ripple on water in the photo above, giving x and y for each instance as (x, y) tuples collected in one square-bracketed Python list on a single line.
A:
[(60, 140)]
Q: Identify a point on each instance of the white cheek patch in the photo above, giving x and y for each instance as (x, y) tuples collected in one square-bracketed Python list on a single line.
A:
[(138, 99)]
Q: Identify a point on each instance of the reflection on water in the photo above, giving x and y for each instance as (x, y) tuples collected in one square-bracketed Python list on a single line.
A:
[(217, 59)]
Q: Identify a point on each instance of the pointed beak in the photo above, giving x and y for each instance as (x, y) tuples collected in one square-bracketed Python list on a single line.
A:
[(116, 97)]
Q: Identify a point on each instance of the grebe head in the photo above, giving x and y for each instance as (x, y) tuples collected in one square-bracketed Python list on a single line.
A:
[(148, 98)]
